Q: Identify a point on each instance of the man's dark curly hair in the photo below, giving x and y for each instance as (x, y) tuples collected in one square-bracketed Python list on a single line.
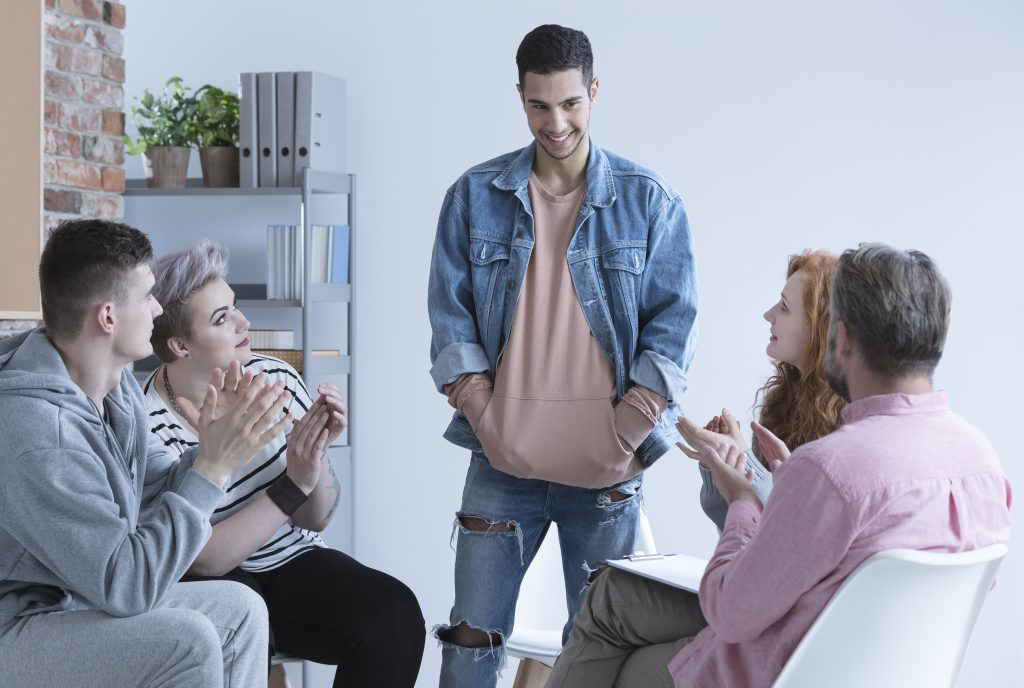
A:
[(553, 48)]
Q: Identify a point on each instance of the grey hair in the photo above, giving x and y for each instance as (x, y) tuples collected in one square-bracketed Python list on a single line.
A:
[(178, 277), (896, 307)]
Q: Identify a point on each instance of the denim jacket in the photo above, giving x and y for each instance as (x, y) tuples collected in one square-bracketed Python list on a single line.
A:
[(631, 260)]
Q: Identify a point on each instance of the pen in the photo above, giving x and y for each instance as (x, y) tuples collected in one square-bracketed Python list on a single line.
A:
[(646, 557)]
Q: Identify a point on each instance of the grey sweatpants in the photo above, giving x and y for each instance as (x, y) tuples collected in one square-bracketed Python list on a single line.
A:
[(626, 633), (206, 635)]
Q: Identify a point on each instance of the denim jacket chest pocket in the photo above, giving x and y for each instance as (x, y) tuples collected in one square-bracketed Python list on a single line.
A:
[(622, 269), (489, 258)]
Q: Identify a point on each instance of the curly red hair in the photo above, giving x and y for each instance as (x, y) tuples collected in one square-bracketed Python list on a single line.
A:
[(801, 407)]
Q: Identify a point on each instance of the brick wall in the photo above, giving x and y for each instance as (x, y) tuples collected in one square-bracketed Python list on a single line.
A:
[(83, 170), (83, 113)]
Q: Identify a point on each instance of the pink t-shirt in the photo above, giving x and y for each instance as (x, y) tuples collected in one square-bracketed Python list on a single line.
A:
[(552, 412), (902, 472)]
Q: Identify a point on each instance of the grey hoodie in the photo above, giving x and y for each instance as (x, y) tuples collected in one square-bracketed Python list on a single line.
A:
[(72, 488)]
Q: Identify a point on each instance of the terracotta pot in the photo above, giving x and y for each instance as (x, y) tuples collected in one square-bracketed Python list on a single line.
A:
[(166, 166), (220, 165)]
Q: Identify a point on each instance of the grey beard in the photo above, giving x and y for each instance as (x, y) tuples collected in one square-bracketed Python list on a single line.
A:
[(838, 384)]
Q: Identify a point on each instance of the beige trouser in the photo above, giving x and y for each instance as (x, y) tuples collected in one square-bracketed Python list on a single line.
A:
[(626, 633)]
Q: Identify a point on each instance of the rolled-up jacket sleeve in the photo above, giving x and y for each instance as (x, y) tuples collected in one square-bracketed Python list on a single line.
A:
[(667, 311), (455, 346)]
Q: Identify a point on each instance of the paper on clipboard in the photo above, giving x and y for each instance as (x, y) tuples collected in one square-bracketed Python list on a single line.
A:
[(677, 570)]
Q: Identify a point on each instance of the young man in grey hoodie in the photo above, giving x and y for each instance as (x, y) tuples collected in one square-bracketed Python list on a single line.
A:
[(97, 522)]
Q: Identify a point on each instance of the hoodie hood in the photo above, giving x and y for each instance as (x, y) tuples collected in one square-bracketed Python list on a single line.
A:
[(30, 366)]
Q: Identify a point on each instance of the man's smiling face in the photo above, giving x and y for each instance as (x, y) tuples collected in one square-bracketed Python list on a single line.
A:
[(558, 109)]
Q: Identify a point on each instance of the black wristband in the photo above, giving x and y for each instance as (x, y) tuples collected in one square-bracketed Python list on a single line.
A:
[(286, 495)]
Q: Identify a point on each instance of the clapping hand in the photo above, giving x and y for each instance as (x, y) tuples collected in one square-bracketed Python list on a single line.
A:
[(728, 429), (726, 462), (771, 447), (337, 413), (719, 431), (230, 435), (230, 384), (307, 446)]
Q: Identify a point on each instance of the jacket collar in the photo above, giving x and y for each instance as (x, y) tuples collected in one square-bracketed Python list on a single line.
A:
[(600, 183)]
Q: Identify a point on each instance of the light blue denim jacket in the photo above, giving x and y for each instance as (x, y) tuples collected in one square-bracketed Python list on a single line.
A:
[(631, 260)]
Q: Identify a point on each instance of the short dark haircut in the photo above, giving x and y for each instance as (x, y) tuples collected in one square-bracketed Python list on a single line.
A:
[(553, 48), (896, 307), (85, 261)]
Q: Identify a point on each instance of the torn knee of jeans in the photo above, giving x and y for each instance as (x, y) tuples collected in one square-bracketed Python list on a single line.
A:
[(479, 524), (619, 494), (613, 497), (476, 526), (464, 637), (592, 573)]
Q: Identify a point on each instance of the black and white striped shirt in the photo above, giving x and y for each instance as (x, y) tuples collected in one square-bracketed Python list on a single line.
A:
[(254, 478)]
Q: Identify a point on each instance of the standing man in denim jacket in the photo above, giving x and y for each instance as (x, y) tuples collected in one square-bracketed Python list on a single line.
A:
[(563, 305)]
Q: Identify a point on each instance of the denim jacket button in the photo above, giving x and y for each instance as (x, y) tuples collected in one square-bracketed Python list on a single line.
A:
[(511, 284), (519, 234)]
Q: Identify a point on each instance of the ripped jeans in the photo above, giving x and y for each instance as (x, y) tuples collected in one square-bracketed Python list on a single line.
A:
[(593, 525)]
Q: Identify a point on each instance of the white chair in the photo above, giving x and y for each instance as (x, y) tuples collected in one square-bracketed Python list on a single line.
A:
[(902, 618), (537, 649), (281, 658)]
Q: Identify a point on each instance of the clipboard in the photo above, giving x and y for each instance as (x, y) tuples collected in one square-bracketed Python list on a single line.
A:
[(678, 570)]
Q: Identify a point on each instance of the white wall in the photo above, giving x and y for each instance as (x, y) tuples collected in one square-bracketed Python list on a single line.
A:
[(785, 125)]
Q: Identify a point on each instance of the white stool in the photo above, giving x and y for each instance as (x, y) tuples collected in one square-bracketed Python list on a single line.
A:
[(281, 658), (537, 649)]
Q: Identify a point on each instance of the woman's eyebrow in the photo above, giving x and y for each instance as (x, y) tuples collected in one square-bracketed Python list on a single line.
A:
[(218, 310)]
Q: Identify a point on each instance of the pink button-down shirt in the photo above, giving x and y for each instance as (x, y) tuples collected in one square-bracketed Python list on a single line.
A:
[(902, 472)]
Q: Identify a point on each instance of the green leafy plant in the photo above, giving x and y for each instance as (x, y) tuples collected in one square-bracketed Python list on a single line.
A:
[(167, 119), (216, 117)]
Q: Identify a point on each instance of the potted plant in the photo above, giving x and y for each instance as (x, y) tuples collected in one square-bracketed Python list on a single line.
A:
[(165, 123), (216, 130)]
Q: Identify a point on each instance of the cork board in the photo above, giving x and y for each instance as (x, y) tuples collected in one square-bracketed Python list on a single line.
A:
[(21, 173)]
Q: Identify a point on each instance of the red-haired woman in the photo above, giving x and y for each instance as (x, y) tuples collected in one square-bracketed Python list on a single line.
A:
[(796, 404)]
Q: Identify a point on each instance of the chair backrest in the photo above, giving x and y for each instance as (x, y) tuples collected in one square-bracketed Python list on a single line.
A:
[(902, 618), (645, 536)]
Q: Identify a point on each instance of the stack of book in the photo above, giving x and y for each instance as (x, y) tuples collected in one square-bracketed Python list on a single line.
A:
[(285, 254), (294, 357), (272, 339)]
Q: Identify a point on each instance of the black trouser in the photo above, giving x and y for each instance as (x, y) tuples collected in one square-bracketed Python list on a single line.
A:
[(327, 607)]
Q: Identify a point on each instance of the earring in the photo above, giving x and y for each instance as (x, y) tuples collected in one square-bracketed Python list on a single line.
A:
[(188, 355)]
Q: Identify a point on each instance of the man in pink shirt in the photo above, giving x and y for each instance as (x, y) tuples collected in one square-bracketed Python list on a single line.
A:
[(902, 472)]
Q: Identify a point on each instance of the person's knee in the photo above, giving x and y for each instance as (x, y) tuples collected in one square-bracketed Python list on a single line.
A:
[(398, 612), (245, 610), (405, 608), (477, 524), (603, 589), (465, 635), (198, 635)]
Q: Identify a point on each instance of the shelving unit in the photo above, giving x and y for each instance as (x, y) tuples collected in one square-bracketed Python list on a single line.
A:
[(316, 297)]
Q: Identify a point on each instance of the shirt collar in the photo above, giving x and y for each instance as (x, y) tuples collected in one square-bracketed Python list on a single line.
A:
[(895, 405), (600, 183)]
